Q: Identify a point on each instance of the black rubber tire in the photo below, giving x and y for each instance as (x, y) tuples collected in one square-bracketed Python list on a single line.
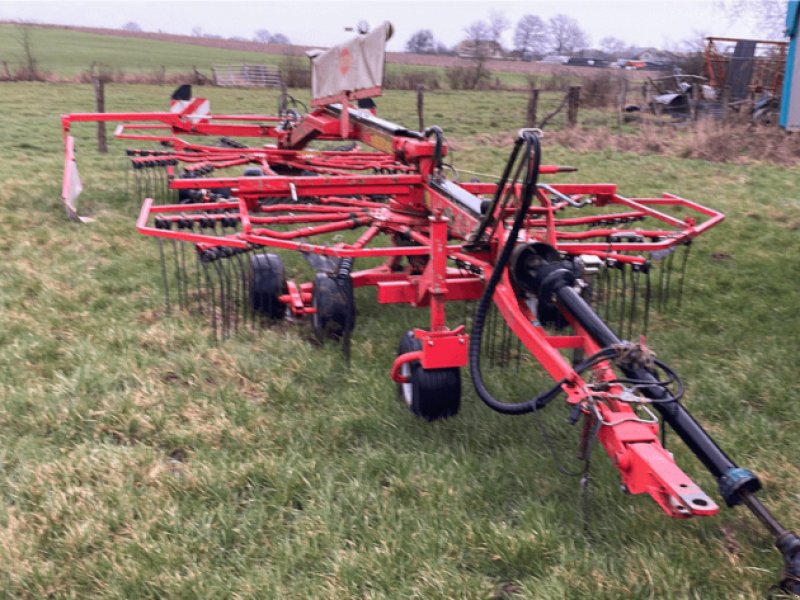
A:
[(267, 283), (335, 313), (253, 172), (432, 394)]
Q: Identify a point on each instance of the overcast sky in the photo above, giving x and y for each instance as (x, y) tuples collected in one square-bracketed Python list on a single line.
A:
[(657, 23)]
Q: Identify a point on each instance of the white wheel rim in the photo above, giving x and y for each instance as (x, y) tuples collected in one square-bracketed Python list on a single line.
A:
[(406, 388)]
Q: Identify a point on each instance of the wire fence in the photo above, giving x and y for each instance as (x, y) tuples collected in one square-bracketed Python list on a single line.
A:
[(245, 75)]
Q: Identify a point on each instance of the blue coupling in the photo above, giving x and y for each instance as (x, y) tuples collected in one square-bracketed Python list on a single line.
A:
[(734, 481)]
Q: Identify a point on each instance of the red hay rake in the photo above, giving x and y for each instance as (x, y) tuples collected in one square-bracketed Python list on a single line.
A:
[(560, 275)]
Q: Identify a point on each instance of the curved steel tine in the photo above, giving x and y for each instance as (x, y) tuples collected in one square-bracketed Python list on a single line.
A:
[(669, 279), (198, 297), (230, 300), (164, 280), (146, 182), (688, 247), (263, 316), (614, 292), (184, 280), (242, 287), (138, 179), (127, 168), (212, 298), (234, 301), (177, 276), (164, 185), (505, 348), (235, 287), (492, 330), (223, 304), (159, 183), (158, 178)]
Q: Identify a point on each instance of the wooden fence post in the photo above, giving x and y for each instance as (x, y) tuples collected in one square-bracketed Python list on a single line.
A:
[(533, 103), (421, 106), (623, 99), (573, 102), (725, 101), (100, 106), (693, 101)]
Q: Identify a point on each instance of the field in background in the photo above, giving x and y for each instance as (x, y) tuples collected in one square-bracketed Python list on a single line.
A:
[(67, 53)]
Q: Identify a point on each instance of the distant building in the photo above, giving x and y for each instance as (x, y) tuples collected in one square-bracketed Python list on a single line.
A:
[(525, 55), (649, 55)]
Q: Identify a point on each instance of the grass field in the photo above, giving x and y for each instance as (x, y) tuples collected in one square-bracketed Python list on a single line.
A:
[(139, 459), (67, 53)]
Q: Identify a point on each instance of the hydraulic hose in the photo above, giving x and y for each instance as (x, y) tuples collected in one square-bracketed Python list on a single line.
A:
[(533, 157)]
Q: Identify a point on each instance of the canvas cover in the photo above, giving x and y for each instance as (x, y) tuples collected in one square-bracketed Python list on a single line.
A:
[(352, 66), (71, 187)]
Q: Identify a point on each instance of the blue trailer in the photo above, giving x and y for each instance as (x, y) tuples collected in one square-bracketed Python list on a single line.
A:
[(790, 99)]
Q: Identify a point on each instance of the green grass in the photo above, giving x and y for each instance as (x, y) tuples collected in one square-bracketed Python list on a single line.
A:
[(68, 53), (139, 459)]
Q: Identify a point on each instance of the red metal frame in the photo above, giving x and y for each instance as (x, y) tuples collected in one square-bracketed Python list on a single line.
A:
[(768, 63), (394, 190)]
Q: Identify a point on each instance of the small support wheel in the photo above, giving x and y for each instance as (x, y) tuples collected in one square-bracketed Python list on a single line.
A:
[(334, 313), (267, 283), (430, 393)]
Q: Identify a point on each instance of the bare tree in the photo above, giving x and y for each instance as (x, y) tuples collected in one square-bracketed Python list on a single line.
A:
[(479, 31), (566, 35), (30, 67), (479, 36), (769, 15), (197, 31), (612, 46), (530, 35), (498, 24), (421, 42), (689, 53), (262, 36), (279, 38), (694, 43), (131, 26)]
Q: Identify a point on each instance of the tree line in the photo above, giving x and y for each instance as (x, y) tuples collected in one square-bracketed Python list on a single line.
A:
[(533, 37), (262, 36)]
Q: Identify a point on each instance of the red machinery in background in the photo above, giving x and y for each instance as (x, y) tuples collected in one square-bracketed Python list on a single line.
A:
[(565, 269)]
